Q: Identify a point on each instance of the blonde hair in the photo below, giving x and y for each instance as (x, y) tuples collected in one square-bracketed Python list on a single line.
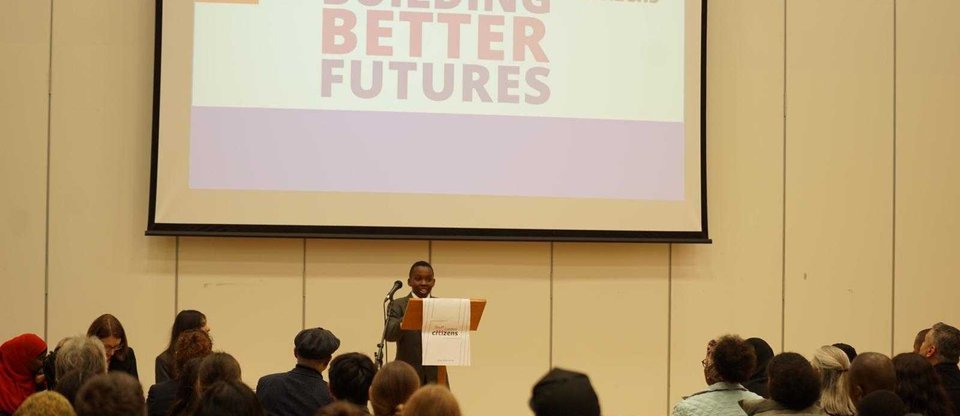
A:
[(834, 368), (391, 387), (432, 400), (45, 403)]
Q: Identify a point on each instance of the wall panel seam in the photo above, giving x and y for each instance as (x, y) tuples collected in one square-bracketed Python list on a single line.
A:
[(893, 242), (46, 231), (669, 319), (783, 201)]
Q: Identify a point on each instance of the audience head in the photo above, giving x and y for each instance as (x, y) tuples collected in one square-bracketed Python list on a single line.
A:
[(186, 394), (881, 403), (564, 393), (392, 386), (919, 386), (733, 358), (941, 344), (869, 372), (78, 360), (421, 279), (194, 343), (112, 394), (215, 367), (763, 352), (20, 359), (228, 398), (185, 321), (793, 381), (110, 332), (45, 403), (341, 408), (432, 400), (350, 377), (847, 349), (918, 341), (833, 365), (314, 347)]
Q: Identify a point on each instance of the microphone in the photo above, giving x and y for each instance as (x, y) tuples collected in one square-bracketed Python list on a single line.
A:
[(396, 286)]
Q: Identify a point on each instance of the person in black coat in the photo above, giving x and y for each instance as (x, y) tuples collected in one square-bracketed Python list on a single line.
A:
[(301, 391), (941, 347)]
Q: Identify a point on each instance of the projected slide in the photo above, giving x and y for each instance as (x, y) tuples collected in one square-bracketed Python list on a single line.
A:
[(577, 115)]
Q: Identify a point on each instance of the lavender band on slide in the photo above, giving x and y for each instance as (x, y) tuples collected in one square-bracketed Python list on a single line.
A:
[(394, 152)]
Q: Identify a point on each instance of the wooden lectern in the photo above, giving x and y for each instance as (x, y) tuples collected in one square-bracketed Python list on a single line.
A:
[(413, 321)]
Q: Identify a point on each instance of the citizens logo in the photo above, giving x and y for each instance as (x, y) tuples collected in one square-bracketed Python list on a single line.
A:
[(445, 332)]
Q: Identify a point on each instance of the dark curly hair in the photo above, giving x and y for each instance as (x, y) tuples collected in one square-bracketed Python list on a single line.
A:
[(734, 359), (919, 387), (793, 381), (194, 343)]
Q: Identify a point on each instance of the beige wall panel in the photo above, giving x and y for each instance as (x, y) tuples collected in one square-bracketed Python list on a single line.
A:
[(839, 174), (25, 52), (251, 291), (610, 320), (928, 142), (734, 285), (512, 347), (100, 261), (346, 283)]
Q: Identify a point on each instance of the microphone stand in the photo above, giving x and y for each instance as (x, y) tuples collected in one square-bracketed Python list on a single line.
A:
[(383, 335)]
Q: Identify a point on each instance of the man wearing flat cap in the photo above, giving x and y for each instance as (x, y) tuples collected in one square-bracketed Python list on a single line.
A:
[(301, 391)]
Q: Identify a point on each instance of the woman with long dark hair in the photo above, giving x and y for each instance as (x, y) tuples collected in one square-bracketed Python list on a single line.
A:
[(120, 356), (185, 321), (919, 386)]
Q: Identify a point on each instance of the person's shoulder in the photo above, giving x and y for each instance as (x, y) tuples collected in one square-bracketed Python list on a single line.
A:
[(270, 379)]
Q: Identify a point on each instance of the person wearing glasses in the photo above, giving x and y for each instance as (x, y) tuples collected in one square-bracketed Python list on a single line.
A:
[(729, 362), (120, 356)]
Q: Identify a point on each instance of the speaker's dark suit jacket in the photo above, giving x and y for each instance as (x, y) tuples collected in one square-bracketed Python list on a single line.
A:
[(409, 343)]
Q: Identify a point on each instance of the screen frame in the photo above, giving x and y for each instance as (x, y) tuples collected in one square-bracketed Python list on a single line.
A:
[(422, 233)]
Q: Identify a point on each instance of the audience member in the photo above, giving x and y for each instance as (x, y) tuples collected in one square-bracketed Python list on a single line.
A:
[(918, 341), (185, 321), (729, 362), (758, 380), (847, 349), (433, 400), (215, 367), (112, 394), (301, 391), (941, 347), (45, 403), (350, 377), (919, 386), (869, 372), (194, 343), (392, 386), (794, 388), (834, 366), (564, 393), (229, 398), (80, 358), (342, 408), (186, 393), (881, 403), (20, 360), (120, 356)]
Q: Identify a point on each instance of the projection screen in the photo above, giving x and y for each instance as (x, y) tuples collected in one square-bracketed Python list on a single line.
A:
[(563, 120)]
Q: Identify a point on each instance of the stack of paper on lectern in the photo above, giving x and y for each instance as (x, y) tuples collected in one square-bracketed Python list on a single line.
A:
[(446, 331)]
